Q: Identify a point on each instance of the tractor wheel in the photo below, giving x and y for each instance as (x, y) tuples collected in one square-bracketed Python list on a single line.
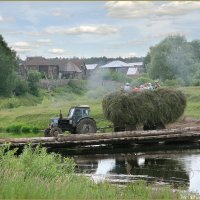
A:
[(55, 131), (86, 126), (47, 132)]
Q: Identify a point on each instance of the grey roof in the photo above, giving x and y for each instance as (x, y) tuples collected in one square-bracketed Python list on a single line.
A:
[(91, 66), (135, 64), (115, 64)]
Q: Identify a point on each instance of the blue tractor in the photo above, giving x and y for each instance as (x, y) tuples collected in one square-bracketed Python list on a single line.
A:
[(78, 121)]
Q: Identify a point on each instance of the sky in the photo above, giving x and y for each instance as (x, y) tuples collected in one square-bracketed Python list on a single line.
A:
[(95, 28)]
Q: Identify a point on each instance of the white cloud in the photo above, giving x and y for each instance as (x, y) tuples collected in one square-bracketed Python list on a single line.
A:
[(137, 9), (44, 41), (22, 46), (56, 51), (88, 29), (60, 13)]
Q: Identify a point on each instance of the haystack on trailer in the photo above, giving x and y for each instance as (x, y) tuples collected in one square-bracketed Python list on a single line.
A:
[(151, 108)]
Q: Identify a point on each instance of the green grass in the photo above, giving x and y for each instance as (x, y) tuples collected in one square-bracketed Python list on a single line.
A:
[(36, 174)]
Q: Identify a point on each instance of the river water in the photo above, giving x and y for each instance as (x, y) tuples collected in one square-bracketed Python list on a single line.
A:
[(173, 165)]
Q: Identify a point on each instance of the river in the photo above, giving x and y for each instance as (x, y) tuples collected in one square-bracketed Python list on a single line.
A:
[(176, 165)]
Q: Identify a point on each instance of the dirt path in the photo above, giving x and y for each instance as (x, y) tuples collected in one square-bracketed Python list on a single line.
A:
[(185, 122)]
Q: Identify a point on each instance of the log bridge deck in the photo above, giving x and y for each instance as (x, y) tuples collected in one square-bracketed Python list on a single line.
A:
[(189, 134)]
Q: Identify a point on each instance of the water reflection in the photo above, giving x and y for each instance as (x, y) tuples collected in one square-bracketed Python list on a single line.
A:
[(177, 168)]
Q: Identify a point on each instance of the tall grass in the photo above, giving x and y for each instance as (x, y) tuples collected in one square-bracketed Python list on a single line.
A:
[(35, 174)]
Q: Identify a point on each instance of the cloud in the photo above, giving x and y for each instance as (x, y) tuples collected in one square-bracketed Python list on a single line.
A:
[(140, 9), (88, 29), (22, 46), (44, 41), (60, 13), (56, 51)]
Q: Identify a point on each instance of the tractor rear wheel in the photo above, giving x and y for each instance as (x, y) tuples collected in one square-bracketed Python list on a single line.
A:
[(54, 132), (86, 126)]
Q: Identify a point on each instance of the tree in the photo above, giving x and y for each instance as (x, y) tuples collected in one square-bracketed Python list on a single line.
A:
[(172, 58), (8, 65)]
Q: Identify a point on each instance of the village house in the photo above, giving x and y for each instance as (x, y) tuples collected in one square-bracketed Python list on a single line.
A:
[(55, 68), (130, 69), (91, 68)]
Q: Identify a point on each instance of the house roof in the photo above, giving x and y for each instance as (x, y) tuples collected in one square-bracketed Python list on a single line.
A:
[(31, 61), (115, 64), (91, 66), (64, 64), (132, 71), (135, 64)]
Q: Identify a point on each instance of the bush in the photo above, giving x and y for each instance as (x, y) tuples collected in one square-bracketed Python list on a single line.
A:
[(26, 129), (35, 130), (33, 79), (14, 129), (196, 82), (21, 87), (174, 82)]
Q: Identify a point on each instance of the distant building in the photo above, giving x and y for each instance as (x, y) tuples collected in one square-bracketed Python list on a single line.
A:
[(42, 65), (119, 66), (91, 68), (56, 68)]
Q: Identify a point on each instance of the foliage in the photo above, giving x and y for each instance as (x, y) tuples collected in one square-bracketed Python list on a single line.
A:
[(146, 107), (173, 58), (142, 79), (21, 87), (115, 76), (14, 128), (33, 79), (8, 65), (174, 82)]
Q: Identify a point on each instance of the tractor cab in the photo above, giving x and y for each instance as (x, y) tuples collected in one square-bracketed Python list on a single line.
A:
[(77, 113)]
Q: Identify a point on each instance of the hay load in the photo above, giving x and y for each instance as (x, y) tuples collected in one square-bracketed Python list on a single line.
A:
[(152, 109)]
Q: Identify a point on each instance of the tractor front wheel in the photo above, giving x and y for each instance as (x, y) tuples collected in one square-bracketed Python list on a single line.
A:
[(54, 132), (47, 132), (86, 126)]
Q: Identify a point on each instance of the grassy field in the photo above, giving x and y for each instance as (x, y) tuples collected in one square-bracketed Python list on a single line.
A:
[(38, 114)]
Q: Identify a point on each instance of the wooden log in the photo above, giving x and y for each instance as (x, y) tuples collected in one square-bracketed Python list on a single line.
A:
[(98, 136), (28, 140)]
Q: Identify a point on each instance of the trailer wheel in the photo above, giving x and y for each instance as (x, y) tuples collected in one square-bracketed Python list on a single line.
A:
[(47, 132), (86, 126), (54, 132)]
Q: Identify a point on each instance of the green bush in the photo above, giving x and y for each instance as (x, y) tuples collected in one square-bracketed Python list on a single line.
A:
[(14, 128), (196, 82), (174, 82), (26, 129), (21, 87), (35, 130)]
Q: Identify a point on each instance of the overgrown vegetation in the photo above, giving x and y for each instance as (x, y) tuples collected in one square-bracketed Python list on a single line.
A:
[(36, 174), (174, 58)]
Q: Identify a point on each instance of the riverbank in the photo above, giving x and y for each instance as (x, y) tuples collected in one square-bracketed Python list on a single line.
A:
[(35, 174)]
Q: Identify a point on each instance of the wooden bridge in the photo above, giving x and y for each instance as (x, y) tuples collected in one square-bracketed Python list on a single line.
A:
[(189, 134)]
